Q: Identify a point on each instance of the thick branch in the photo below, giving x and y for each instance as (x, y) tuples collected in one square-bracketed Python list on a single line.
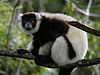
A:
[(84, 27), (15, 54), (81, 63)]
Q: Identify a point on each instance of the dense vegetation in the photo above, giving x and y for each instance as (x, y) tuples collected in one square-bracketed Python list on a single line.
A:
[(16, 39)]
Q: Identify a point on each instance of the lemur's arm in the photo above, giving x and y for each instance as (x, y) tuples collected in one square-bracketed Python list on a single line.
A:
[(30, 47), (28, 50), (42, 53)]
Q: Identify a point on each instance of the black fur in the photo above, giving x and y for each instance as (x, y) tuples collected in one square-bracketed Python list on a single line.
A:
[(71, 52), (29, 18), (22, 51), (65, 71), (49, 30), (41, 60)]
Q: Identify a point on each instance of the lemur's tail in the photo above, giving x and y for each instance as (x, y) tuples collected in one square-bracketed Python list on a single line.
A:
[(65, 71)]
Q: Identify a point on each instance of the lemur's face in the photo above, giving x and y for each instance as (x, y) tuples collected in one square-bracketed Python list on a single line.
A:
[(28, 21)]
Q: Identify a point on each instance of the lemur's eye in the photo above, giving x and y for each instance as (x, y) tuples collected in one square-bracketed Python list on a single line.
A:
[(32, 21), (24, 21)]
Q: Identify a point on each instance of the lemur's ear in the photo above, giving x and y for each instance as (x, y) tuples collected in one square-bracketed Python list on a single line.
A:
[(20, 16), (38, 16)]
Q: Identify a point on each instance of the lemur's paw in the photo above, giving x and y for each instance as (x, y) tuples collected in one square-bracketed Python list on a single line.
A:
[(42, 60), (22, 51)]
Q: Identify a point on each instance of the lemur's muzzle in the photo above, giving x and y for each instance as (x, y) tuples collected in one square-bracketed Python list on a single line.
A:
[(28, 26)]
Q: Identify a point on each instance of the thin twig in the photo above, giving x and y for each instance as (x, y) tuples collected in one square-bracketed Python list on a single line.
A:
[(96, 69), (30, 5), (41, 5), (8, 37), (88, 11), (19, 67), (88, 7), (10, 24), (84, 12), (18, 71)]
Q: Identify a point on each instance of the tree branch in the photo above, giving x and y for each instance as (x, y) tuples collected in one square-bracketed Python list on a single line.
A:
[(15, 54), (81, 63), (9, 36), (84, 12)]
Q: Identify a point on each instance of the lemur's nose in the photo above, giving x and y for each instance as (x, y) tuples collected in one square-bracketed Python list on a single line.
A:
[(28, 26)]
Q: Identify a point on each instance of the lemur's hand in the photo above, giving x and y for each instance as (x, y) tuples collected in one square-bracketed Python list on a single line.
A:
[(41, 60), (22, 51)]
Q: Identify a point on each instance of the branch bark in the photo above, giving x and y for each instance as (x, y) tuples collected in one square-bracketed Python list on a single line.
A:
[(9, 36), (9, 53), (80, 63)]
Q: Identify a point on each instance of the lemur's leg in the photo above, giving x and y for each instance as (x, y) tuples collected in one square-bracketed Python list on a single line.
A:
[(59, 50), (62, 51), (44, 56), (45, 49)]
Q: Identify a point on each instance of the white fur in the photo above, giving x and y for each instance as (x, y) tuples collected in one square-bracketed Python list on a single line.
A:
[(58, 16), (78, 39), (59, 51), (38, 19), (45, 49), (20, 25), (19, 17), (59, 54), (30, 47)]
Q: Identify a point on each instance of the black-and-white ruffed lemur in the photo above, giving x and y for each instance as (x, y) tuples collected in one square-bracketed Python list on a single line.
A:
[(52, 37)]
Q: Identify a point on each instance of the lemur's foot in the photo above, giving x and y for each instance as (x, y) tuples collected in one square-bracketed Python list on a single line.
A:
[(22, 51), (41, 60)]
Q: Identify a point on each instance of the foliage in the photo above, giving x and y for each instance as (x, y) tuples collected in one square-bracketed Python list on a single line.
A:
[(16, 41), (19, 40)]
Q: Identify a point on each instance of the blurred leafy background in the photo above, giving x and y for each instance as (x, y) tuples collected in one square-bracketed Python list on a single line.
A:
[(86, 11)]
